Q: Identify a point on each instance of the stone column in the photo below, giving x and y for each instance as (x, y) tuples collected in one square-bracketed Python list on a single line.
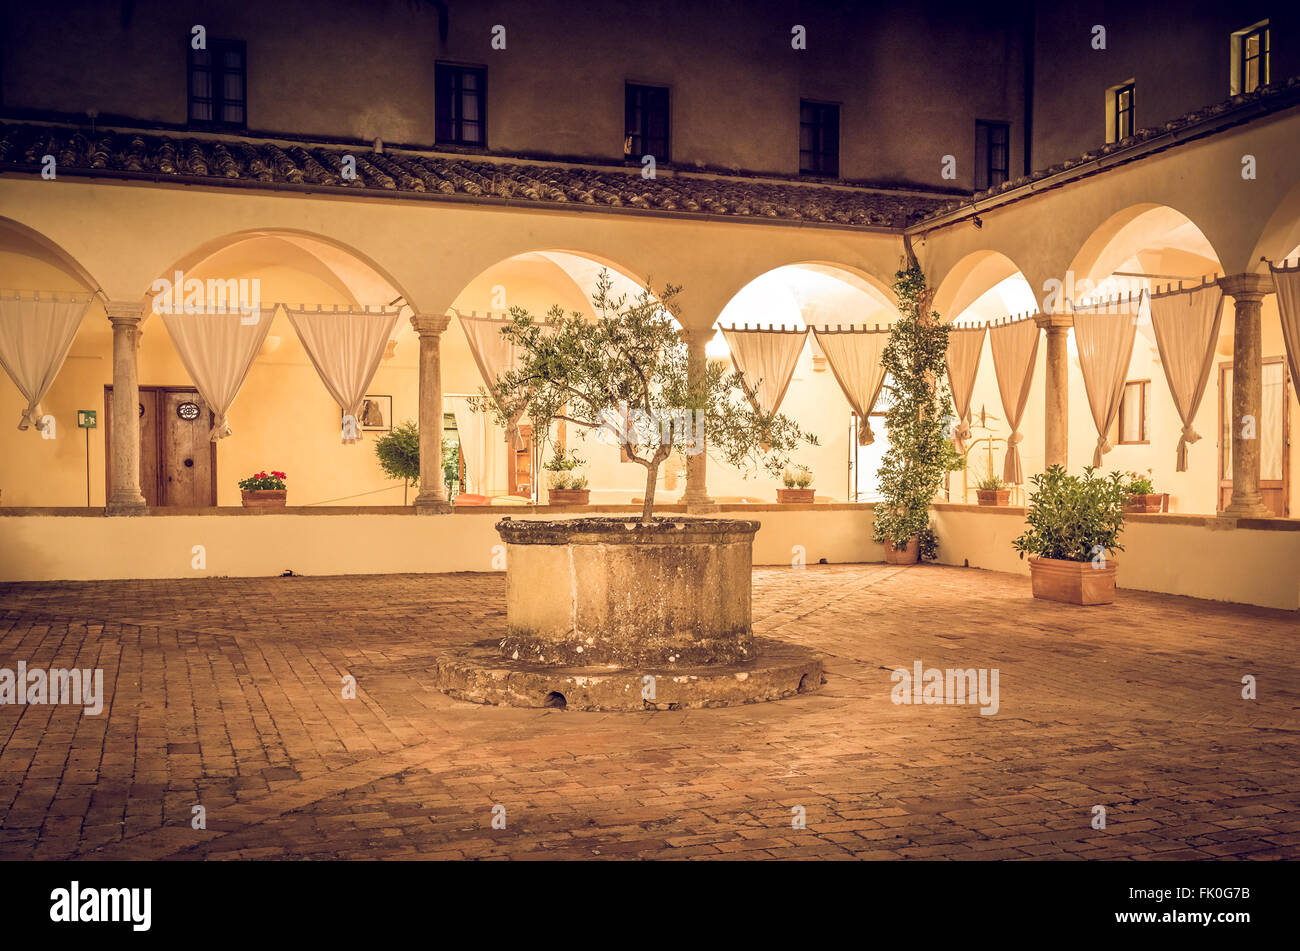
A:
[(432, 499), (1247, 292), (124, 452), (1056, 395), (696, 496)]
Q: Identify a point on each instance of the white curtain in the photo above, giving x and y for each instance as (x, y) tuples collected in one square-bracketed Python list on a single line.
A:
[(854, 358), (482, 446), (1015, 350), (493, 355), (965, 344), (345, 346), (1105, 342), (1187, 329), (217, 351), (1287, 282), (766, 359), (35, 336)]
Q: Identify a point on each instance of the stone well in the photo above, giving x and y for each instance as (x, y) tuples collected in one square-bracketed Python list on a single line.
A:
[(611, 591), (616, 614)]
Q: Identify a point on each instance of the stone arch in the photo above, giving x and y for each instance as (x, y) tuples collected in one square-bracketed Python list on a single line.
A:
[(355, 277), (18, 238), (1169, 239), (1280, 237), (988, 278)]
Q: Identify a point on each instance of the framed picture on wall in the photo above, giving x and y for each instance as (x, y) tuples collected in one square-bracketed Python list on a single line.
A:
[(376, 414)]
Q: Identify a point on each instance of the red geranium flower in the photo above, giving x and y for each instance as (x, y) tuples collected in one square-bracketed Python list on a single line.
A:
[(278, 475)]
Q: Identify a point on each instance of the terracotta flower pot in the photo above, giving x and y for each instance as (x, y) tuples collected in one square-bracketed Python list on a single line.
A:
[(1151, 502), (263, 498), (1072, 582), (993, 496), (795, 495), (568, 496), (908, 555)]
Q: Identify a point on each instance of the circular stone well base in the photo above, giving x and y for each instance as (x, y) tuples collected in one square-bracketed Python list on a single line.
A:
[(481, 674)]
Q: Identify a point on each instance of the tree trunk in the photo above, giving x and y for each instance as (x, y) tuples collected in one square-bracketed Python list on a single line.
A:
[(651, 478)]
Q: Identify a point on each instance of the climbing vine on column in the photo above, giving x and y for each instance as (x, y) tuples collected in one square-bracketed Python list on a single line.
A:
[(919, 419)]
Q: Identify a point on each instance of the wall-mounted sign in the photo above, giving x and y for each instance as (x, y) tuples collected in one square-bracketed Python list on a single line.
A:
[(187, 410), (86, 419)]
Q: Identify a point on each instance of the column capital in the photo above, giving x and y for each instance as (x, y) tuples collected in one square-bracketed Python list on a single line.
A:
[(430, 325), (1247, 286), (697, 336), (1054, 321), (127, 311)]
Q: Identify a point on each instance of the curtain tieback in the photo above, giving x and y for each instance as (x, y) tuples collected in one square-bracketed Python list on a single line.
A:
[(1015, 439), (220, 427), (865, 436), (1188, 437), (1103, 446), (32, 417)]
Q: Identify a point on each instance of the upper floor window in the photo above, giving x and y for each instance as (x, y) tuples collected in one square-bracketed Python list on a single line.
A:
[(992, 153), (819, 138), (460, 104), (645, 110), (1250, 58), (1119, 112), (218, 89)]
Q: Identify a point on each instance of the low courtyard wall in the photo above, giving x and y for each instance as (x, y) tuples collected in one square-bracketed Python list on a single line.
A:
[(1248, 561), (75, 545)]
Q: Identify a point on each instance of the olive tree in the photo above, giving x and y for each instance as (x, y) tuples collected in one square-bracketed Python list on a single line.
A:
[(623, 375)]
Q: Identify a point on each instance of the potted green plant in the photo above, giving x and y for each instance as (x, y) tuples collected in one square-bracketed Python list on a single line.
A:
[(920, 453), (1074, 525), (993, 491), (263, 490), (398, 452), (564, 485), (1142, 495), (797, 482)]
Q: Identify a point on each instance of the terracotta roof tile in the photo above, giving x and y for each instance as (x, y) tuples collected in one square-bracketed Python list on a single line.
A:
[(236, 159)]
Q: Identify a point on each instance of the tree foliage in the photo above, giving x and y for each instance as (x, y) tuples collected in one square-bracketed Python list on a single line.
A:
[(624, 376), (920, 411), (398, 452), (1073, 518)]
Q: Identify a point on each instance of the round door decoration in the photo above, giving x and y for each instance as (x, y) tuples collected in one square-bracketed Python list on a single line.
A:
[(189, 411)]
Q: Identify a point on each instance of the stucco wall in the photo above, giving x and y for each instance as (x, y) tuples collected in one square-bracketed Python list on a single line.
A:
[(366, 70), (72, 547), (1198, 557)]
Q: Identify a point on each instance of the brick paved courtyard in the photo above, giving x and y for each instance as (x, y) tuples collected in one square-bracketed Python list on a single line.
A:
[(227, 694)]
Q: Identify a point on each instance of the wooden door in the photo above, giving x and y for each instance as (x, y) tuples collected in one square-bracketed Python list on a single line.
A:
[(1274, 429), (188, 464), (149, 450), (178, 461)]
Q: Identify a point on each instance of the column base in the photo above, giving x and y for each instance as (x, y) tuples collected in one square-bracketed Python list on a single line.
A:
[(1247, 508), (128, 506), (431, 505), (701, 508), (695, 498)]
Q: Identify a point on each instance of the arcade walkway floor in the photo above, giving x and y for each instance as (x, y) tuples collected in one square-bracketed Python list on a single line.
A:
[(227, 694)]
